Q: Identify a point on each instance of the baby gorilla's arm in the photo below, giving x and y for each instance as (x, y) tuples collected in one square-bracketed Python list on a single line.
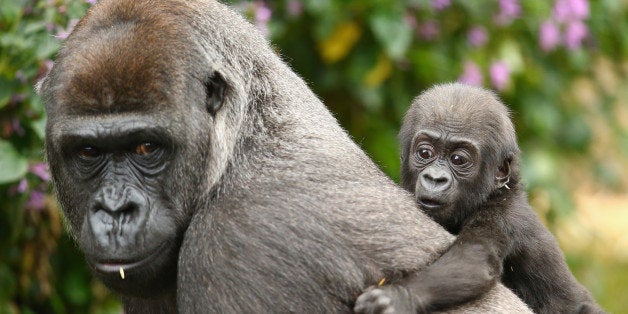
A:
[(471, 266)]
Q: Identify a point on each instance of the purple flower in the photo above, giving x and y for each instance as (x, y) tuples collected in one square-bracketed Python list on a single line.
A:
[(500, 75), (575, 33), (294, 7), (36, 201), (471, 74), (508, 11), (40, 170), (477, 36), (22, 186), (549, 36), (429, 30), (262, 16), (440, 5), (410, 20), (17, 126), (570, 10), (92, 2), (580, 9), (19, 75)]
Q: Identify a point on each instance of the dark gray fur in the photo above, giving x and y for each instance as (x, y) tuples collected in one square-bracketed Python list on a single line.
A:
[(483, 202), (273, 206)]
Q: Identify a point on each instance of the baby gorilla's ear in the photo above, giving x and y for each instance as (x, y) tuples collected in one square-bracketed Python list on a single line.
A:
[(502, 177)]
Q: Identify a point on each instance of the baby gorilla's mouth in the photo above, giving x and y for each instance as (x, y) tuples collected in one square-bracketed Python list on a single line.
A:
[(429, 203)]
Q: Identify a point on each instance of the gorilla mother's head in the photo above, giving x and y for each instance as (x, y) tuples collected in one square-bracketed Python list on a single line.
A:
[(145, 110)]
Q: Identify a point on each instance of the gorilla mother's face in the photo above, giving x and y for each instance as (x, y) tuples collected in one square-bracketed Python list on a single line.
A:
[(120, 104), (124, 220)]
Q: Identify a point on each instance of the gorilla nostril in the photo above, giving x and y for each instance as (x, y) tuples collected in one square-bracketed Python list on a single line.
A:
[(121, 207), (125, 201), (438, 180), (435, 180)]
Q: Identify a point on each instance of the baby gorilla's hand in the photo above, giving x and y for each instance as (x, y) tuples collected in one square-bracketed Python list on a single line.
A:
[(386, 300)]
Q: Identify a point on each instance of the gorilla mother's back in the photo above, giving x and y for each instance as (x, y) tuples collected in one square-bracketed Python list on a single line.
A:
[(186, 153)]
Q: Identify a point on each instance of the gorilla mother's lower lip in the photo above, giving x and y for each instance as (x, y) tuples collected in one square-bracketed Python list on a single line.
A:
[(430, 204), (114, 265)]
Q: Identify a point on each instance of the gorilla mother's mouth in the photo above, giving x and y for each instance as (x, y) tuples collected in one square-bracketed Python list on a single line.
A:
[(113, 265), (429, 203)]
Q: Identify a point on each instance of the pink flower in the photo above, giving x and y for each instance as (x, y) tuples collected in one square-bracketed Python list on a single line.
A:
[(429, 30), (471, 74), (508, 11), (580, 9), (440, 5), (263, 13), (570, 10), (36, 201), (575, 33), (549, 36), (16, 125), (477, 36), (20, 76), (262, 16), (410, 20), (500, 75), (40, 170), (22, 186), (294, 7)]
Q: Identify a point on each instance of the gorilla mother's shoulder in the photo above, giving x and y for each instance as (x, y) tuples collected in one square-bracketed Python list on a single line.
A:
[(199, 173)]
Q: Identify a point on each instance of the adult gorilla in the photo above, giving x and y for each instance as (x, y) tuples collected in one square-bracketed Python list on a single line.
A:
[(198, 172)]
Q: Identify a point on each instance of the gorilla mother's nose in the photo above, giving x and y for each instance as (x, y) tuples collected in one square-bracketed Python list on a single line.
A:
[(116, 199)]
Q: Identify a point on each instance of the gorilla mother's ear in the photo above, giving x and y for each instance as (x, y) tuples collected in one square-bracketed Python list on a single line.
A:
[(215, 86)]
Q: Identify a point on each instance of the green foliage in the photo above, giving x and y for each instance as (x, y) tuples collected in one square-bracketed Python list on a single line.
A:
[(40, 269), (366, 59), (12, 165)]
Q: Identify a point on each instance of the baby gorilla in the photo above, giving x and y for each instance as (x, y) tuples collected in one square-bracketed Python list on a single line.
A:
[(460, 159)]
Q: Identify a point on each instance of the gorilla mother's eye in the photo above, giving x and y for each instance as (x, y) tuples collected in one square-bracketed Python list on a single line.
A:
[(88, 152), (146, 148)]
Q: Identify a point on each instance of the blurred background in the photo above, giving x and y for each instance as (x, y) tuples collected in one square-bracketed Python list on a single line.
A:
[(560, 65)]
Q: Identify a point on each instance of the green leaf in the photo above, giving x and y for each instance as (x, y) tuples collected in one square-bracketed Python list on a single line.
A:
[(11, 11), (39, 126), (46, 47), (6, 90), (392, 32), (12, 165)]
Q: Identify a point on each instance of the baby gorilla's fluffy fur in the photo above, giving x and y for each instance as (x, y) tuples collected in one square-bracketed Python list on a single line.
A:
[(461, 160)]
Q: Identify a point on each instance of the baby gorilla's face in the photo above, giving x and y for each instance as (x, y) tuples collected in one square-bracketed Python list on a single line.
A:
[(445, 169)]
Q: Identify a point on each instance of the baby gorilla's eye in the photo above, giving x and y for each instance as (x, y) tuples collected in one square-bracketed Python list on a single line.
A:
[(146, 148), (426, 152), (458, 160), (88, 152)]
